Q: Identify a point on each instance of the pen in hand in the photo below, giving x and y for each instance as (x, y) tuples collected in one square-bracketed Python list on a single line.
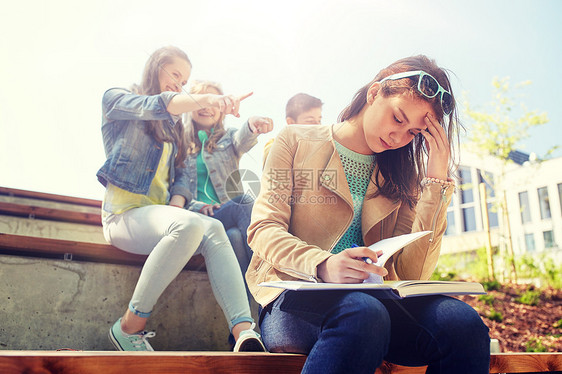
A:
[(366, 259)]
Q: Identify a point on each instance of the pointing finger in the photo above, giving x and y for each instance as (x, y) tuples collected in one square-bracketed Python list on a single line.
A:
[(246, 96)]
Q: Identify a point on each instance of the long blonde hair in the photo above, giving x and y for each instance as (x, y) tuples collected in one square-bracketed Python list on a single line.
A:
[(216, 132)]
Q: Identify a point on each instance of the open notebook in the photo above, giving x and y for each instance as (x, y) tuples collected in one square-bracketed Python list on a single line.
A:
[(389, 247), (400, 289)]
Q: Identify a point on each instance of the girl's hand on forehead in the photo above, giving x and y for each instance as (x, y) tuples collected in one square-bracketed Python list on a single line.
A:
[(438, 147)]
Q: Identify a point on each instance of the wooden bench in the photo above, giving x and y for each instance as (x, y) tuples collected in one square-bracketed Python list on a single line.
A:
[(14, 192), (13, 244), (162, 362), (77, 251), (30, 211), (72, 266), (85, 362)]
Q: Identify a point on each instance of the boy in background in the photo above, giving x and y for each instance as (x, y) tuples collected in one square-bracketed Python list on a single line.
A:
[(301, 109)]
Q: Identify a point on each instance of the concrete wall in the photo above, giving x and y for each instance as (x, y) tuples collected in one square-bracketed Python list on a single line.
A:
[(50, 304), (47, 304)]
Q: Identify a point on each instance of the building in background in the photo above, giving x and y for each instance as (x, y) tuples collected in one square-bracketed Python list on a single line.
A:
[(533, 193)]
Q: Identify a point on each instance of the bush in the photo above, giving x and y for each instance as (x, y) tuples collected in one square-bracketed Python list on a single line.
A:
[(529, 297), (494, 315), (459, 265), (535, 345), (444, 276), (487, 299), (540, 267), (491, 285)]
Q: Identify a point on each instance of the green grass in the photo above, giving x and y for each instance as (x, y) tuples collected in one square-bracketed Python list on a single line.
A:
[(494, 315), (529, 297), (487, 299), (535, 345)]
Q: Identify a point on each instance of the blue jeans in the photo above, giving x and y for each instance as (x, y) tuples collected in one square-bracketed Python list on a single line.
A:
[(352, 332), (170, 237), (235, 216)]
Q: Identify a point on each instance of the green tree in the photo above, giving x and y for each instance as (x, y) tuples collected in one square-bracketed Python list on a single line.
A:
[(498, 132), (501, 130)]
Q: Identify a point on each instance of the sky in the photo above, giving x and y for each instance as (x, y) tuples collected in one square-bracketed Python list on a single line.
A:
[(59, 57)]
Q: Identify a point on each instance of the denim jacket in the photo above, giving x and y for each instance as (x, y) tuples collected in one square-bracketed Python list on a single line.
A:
[(132, 155), (221, 164)]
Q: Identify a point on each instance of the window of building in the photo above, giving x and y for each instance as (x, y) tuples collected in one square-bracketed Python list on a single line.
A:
[(467, 205), (469, 219), (530, 242), (524, 207), (493, 215), (466, 187), (548, 237), (544, 202), (451, 227), (560, 195), (488, 180)]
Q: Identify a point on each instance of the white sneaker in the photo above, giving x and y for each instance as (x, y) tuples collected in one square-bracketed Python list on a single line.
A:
[(249, 341)]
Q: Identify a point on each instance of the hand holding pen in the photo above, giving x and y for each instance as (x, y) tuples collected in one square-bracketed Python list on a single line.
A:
[(368, 260), (349, 266)]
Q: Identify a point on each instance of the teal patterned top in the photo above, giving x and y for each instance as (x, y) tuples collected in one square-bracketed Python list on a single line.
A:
[(358, 169)]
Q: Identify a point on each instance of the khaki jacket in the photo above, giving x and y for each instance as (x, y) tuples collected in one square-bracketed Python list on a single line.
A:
[(304, 207)]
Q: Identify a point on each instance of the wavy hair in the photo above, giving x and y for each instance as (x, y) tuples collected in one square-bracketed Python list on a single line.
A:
[(403, 169), (217, 131), (150, 85)]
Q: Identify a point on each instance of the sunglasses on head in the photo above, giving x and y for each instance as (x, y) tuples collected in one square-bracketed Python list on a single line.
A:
[(428, 87)]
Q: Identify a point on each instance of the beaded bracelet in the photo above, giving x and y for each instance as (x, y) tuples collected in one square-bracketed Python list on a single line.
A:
[(425, 181)]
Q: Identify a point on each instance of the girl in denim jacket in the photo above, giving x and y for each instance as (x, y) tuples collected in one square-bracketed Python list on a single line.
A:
[(213, 176), (142, 209)]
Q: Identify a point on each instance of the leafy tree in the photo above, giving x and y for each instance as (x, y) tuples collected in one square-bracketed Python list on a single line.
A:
[(499, 132)]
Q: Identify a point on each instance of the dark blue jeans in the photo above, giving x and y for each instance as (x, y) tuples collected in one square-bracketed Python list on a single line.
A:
[(352, 332), (235, 216)]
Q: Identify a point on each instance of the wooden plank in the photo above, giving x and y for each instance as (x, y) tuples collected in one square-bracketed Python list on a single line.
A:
[(80, 251), (21, 210), (526, 362), (388, 368), (86, 362), (50, 197), (149, 362)]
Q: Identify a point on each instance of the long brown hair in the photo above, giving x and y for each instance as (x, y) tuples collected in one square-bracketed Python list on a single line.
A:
[(403, 169), (217, 131), (150, 85)]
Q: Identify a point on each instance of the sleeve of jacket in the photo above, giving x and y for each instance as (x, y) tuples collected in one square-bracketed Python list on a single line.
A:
[(120, 104), (179, 187), (268, 233), (418, 259), (243, 139), (196, 206)]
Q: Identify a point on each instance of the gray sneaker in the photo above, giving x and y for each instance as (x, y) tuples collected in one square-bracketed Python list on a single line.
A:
[(132, 342), (249, 341)]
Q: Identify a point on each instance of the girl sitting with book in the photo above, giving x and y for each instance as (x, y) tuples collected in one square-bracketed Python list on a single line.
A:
[(382, 171)]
